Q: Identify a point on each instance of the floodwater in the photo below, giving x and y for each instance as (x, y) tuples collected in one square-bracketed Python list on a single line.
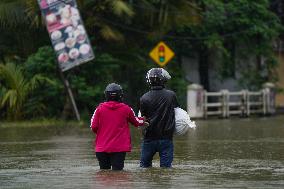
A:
[(236, 153)]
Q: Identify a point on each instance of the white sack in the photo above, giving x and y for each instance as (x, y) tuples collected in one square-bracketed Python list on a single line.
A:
[(183, 122)]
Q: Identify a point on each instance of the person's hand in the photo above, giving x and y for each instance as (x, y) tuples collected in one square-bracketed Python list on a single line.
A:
[(146, 124)]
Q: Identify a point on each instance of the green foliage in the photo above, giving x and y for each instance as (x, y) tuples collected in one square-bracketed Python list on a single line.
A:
[(44, 62), (178, 84), (253, 79), (90, 81), (87, 81), (20, 25), (96, 12), (16, 89), (19, 12), (232, 32)]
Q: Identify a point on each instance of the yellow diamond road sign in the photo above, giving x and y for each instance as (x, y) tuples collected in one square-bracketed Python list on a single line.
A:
[(162, 54)]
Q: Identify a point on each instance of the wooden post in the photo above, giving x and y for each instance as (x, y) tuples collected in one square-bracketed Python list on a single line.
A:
[(70, 94)]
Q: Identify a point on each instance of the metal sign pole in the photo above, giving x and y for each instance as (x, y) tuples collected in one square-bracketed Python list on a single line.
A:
[(70, 94)]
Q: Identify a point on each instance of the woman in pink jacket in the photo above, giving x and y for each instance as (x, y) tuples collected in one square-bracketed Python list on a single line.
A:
[(110, 124)]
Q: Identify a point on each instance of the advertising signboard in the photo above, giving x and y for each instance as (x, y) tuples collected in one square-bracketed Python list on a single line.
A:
[(67, 32)]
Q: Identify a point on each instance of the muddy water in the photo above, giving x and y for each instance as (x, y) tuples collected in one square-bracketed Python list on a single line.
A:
[(238, 153)]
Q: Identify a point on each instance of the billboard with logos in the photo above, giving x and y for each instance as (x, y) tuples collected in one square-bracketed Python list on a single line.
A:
[(67, 32)]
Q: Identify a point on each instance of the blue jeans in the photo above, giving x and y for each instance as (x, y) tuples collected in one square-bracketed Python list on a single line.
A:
[(149, 148)]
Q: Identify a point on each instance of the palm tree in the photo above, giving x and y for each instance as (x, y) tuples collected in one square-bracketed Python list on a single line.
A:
[(96, 12), (22, 12), (19, 12), (21, 23), (16, 90), (164, 16)]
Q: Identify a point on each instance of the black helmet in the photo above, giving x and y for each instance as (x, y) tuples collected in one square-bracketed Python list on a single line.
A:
[(157, 77), (113, 92)]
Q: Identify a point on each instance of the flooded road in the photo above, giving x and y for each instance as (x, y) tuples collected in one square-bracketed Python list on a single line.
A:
[(237, 153)]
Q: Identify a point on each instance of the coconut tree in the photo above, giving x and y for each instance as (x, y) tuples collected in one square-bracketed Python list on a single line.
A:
[(96, 12), (15, 12), (159, 17), (18, 12), (26, 12), (21, 23), (16, 89)]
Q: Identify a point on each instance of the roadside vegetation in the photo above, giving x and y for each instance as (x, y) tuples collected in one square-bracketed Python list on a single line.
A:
[(122, 33)]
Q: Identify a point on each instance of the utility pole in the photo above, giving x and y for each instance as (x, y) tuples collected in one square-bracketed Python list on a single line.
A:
[(70, 94)]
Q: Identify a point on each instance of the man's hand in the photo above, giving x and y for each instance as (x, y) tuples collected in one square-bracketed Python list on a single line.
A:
[(146, 124)]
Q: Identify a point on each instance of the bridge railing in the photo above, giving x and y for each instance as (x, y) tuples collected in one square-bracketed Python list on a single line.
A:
[(225, 103)]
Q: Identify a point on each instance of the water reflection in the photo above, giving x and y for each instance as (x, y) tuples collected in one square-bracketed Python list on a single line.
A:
[(112, 179)]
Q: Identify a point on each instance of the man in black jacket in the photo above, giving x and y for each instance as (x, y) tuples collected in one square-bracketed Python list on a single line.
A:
[(157, 106)]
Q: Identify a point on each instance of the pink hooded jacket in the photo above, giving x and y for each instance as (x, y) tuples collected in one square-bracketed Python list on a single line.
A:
[(110, 123)]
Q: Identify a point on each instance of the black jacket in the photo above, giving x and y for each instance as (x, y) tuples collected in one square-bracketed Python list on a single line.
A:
[(158, 106)]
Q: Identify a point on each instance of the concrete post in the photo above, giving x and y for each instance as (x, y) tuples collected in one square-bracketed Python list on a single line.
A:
[(270, 97), (195, 100), (225, 103), (244, 103)]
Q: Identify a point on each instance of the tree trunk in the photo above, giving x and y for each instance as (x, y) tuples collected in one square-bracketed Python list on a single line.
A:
[(179, 56), (258, 63), (203, 68)]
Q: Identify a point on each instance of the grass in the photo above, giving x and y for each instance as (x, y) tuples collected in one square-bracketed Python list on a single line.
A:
[(43, 123)]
